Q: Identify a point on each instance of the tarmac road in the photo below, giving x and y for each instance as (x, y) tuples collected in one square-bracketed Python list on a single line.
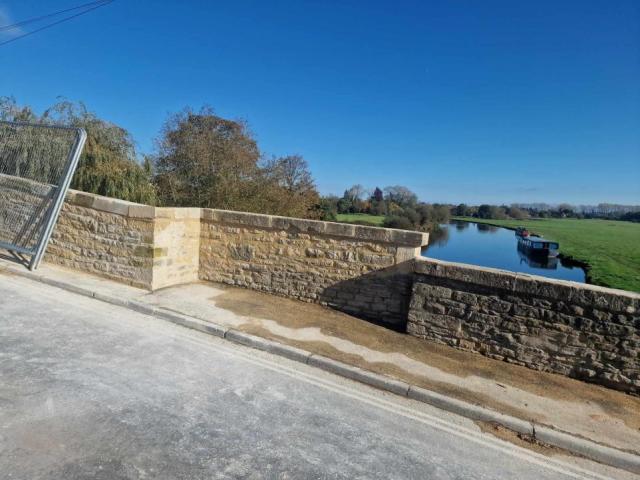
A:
[(89, 390)]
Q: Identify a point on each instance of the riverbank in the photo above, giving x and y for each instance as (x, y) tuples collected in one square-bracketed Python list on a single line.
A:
[(609, 249)]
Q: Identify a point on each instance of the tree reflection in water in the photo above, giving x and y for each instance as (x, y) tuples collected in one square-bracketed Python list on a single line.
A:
[(439, 235), (484, 228)]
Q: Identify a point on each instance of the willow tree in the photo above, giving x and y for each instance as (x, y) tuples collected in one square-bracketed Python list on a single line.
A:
[(108, 164)]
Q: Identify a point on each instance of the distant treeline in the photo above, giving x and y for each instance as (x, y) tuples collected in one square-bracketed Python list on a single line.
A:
[(522, 211), (398, 204), (402, 209)]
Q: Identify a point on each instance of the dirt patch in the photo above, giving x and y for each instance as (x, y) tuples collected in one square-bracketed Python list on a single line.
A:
[(298, 315), (528, 441), (391, 370)]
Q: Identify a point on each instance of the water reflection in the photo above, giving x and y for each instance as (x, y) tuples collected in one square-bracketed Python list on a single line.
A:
[(537, 261), (496, 247), (440, 235), (484, 228)]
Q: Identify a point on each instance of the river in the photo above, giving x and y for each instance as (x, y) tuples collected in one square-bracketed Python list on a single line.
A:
[(495, 247)]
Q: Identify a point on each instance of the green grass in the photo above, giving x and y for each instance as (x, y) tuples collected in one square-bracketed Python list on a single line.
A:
[(610, 248), (361, 218)]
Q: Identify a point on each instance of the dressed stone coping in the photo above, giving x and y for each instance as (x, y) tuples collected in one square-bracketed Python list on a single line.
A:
[(405, 238), (533, 285)]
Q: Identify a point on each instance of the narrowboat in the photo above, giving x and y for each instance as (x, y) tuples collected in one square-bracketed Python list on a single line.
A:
[(522, 232), (538, 246)]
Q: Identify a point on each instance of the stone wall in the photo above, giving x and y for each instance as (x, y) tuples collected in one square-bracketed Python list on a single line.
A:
[(24, 203), (176, 238), (360, 270), (102, 236), (582, 331), (365, 271), (140, 245)]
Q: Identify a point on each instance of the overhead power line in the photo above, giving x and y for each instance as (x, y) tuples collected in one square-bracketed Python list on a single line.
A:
[(48, 15), (87, 7)]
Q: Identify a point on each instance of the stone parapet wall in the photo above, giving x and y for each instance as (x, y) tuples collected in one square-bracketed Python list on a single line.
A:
[(360, 270), (365, 271), (97, 240), (23, 204), (176, 240), (582, 331), (140, 245)]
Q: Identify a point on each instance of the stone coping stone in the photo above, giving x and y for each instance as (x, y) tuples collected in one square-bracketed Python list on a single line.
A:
[(532, 285), (129, 209), (317, 227)]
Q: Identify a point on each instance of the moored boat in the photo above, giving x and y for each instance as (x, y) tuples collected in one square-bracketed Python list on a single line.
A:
[(538, 246)]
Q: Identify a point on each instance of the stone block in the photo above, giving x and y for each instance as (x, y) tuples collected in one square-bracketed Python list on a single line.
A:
[(141, 211)]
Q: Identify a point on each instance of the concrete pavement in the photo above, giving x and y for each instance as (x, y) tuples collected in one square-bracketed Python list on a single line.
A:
[(91, 390)]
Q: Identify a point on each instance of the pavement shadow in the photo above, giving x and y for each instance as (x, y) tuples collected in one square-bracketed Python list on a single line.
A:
[(15, 257)]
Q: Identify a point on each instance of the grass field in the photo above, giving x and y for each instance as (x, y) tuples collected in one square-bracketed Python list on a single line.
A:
[(610, 248), (362, 218)]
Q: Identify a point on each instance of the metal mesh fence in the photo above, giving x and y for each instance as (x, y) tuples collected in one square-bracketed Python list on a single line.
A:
[(36, 166)]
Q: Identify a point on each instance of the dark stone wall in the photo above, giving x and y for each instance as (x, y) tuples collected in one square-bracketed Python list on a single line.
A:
[(582, 331)]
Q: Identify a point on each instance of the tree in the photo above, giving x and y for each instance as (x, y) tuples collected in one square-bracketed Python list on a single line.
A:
[(10, 111), (378, 207), (345, 205), (396, 221), (484, 211), (352, 200), (291, 173), (401, 196), (203, 160), (355, 193), (517, 213), (288, 188), (462, 210), (492, 212), (108, 164), (328, 207), (566, 210)]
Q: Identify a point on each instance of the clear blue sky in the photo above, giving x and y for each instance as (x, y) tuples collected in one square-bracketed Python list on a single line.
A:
[(461, 101)]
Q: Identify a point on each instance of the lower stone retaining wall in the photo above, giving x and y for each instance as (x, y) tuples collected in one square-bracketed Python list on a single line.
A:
[(582, 331), (360, 270)]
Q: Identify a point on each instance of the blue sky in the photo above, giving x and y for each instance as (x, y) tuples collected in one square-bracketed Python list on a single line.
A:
[(461, 101)]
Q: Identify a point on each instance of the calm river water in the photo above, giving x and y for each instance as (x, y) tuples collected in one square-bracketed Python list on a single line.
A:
[(495, 247)]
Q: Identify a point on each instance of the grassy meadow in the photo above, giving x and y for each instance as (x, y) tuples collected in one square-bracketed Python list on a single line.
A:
[(361, 218), (610, 248)]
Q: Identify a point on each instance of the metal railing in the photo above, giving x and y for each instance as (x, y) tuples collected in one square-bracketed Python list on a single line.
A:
[(37, 163)]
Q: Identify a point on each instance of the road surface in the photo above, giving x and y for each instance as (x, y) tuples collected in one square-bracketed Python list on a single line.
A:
[(94, 391)]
